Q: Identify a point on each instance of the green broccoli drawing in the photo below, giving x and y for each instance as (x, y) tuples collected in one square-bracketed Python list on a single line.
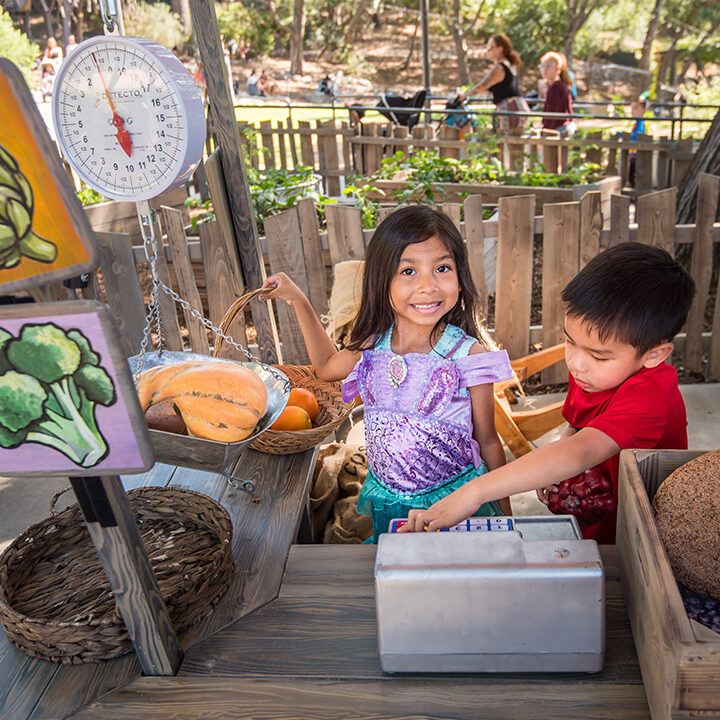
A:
[(50, 382)]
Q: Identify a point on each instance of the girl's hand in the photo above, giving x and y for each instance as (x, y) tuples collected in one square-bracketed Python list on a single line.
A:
[(543, 493), (445, 513), (281, 287)]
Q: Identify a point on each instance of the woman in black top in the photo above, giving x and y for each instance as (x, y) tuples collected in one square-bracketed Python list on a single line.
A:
[(501, 82)]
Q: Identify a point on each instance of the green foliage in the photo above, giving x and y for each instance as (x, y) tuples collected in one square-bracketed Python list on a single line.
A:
[(15, 46), (50, 383), (249, 24), (154, 21), (88, 196)]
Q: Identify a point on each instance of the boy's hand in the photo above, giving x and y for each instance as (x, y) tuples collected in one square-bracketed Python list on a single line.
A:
[(543, 493), (281, 287), (445, 513)]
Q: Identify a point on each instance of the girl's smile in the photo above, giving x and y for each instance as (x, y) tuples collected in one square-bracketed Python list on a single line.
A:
[(425, 286)]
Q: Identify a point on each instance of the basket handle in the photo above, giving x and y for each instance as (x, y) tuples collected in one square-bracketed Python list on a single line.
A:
[(55, 498), (231, 313)]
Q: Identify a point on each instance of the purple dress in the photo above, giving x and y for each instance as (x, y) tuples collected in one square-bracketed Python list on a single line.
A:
[(418, 421)]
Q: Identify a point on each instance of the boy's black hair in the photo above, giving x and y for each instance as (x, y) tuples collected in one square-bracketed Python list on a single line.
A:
[(407, 226), (634, 293)]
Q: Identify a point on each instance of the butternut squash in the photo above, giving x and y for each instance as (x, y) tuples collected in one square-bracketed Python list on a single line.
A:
[(218, 401)]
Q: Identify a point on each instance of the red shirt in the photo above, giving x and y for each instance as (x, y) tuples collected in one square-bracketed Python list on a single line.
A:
[(557, 100), (646, 411)]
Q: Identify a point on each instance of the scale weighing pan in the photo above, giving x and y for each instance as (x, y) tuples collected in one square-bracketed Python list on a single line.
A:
[(211, 455)]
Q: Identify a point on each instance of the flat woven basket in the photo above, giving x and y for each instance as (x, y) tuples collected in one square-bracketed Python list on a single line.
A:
[(332, 409), (55, 599)]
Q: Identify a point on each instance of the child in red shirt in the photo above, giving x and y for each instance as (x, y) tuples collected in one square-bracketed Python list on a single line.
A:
[(622, 312)]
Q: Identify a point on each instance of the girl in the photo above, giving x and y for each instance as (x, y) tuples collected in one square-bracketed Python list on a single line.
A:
[(557, 97), (502, 83), (425, 380)]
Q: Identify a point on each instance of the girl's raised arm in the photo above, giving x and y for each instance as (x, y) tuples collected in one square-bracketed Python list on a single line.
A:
[(330, 363)]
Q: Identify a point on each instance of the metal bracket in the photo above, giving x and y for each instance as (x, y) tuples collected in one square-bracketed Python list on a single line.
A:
[(247, 486)]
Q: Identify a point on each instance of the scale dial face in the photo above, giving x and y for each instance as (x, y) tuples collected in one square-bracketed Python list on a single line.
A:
[(128, 117)]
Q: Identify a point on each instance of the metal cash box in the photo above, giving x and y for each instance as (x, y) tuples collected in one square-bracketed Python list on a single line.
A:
[(530, 598)]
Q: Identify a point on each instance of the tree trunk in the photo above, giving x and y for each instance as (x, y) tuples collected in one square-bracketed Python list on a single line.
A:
[(182, 8), (706, 160), (458, 37), (49, 29), (650, 35), (67, 8), (297, 37)]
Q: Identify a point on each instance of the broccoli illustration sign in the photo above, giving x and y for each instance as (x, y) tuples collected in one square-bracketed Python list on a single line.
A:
[(67, 401), (44, 234)]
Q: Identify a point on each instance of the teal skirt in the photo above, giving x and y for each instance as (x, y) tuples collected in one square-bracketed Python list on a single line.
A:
[(383, 504)]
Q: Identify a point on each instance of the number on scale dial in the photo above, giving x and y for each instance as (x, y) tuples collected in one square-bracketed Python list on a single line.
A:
[(128, 117)]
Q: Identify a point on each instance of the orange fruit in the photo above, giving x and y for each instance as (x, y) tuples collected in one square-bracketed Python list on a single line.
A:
[(300, 397), (292, 418)]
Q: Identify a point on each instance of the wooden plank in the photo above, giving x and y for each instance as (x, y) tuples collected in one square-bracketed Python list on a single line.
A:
[(329, 571), (345, 236), (223, 216), (159, 475), (292, 137), (393, 698), (116, 537), (172, 223), (329, 158), (656, 219), (594, 154), (306, 147), (285, 250), (701, 268), (267, 142), (625, 159), (560, 265), (475, 241), (281, 145), (346, 149), (23, 681), (207, 40), (644, 165), (221, 292), (619, 219), (454, 212), (446, 132), (681, 161), (313, 254), (514, 273), (122, 287), (714, 356), (591, 223), (372, 154)]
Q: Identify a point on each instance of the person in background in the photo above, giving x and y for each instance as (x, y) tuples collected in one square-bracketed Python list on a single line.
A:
[(638, 108), (415, 360), (49, 65), (70, 45), (622, 311), (558, 98), (267, 83), (501, 82), (253, 84)]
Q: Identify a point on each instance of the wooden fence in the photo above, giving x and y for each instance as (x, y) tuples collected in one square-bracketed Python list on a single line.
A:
[(567, 234), (337, 151)]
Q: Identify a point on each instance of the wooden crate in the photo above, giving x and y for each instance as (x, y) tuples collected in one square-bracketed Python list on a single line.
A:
[(679, 658)]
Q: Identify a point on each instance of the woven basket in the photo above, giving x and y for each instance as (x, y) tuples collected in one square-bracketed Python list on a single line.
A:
[(332, 410), (55, 599)]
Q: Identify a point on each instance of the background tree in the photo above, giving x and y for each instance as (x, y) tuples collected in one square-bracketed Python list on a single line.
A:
[(294, 26), (578, 12), (455, 16)]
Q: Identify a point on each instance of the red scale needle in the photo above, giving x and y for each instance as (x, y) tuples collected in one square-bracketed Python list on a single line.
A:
[(123, 136)]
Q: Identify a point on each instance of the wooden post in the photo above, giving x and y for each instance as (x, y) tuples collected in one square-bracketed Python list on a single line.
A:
[(619, 219), (329, 155), (561, 227), (313, 253), (453, 211), (590, 227), (475, 241), (345, 235), (701, 267), (115, 535), (514, 273), (644, 165), (656, 219), (207, 38)]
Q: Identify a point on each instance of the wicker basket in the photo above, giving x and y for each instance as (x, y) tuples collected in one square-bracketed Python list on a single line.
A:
[(55, 599), (332, 409)]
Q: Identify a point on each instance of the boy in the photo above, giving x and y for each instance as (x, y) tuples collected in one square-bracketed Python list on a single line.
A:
[(637, 110), (621, 314)]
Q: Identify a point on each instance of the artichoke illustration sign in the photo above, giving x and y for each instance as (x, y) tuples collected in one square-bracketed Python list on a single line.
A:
[(67, 400), (17, 238), (44, 234)]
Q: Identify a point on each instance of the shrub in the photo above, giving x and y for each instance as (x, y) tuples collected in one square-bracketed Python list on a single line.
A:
[(156, 22), (15, 46), (247, 26)]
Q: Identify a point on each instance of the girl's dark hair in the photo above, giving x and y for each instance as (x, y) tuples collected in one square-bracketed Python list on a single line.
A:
[(634, 293), (408, 226), (503, 41)]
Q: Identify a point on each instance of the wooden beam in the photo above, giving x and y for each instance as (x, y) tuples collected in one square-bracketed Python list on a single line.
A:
[(227, 135)]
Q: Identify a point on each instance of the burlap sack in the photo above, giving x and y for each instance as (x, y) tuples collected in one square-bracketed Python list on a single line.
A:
[(340, 473)]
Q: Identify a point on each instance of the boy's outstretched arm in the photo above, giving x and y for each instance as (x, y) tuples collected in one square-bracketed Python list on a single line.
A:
[(547, 465), (329, 362)]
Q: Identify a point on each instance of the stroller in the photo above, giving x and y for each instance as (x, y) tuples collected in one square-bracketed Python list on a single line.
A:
[(390, 106)]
